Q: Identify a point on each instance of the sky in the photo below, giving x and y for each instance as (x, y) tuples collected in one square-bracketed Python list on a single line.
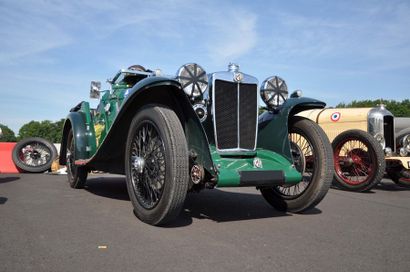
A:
[(335, 51)]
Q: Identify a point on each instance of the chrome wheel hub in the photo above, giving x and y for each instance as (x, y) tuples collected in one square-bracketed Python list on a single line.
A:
[(139, 164)]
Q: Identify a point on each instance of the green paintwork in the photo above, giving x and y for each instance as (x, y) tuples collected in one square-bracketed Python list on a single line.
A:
[(119, 101), (274, 126), (229, 167), (273, 144), (83, 130)]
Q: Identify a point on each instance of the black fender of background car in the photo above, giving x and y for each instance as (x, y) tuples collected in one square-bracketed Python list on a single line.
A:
[(110, 154), (274, 125)]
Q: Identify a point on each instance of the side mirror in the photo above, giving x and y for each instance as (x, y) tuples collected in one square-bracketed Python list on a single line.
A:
[(95, 89)]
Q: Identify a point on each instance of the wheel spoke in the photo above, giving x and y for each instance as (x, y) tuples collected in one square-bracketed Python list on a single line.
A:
[(148, 147), (302, 153), (353, 162)]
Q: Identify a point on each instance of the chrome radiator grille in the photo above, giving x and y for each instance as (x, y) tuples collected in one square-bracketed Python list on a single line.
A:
[(235, 115)]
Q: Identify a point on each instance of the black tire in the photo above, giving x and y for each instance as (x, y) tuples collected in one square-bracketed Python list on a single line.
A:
[(34, 155), (156, 165), (76, 174), (313, 157), (400, 176), (359, 161)]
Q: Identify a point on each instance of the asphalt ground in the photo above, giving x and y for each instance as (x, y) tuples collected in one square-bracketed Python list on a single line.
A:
[(47, 226)]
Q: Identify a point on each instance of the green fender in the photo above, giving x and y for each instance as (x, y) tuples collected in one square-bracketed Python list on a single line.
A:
[(80, 121), (274, 125), (153, 90)]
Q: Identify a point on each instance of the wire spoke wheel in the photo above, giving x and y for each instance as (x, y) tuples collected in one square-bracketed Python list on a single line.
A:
[(303, 156), (76, 174), (71, 167), (400, 175), (34, 155), (312, 157), (358, 160), (156, 169), (353, 162), (148, 165)]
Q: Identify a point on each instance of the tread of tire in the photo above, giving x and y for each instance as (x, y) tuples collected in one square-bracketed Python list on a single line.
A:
[(180, 161), (327, 173)]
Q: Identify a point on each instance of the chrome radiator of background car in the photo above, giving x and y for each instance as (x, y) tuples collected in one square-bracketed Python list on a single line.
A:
[(381, 126)]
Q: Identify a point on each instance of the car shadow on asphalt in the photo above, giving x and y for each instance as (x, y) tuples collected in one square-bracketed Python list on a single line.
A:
[(111, 187), (216, 205), (222, 206), (3, 200), (337, 188), (390, 186), (8, 179)]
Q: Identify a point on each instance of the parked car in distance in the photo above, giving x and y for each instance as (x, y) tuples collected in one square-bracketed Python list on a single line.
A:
[(364, 144), (399, 169), (174, 134)]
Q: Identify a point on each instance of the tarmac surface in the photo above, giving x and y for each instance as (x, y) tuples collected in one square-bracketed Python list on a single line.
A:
[(47, 226)]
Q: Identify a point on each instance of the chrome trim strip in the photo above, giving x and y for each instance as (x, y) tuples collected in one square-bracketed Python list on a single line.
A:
[(136, 72), (238, 129)]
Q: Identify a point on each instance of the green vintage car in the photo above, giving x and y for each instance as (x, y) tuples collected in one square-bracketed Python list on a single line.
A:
[(175, 134)]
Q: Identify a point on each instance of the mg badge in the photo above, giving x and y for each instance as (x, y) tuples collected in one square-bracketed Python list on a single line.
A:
[(238, 77), (257, 163)]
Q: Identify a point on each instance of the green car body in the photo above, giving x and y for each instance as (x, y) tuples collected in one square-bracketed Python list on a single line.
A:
[(100, 135)]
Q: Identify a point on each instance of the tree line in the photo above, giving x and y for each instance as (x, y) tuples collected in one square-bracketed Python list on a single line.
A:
[(46, 129)]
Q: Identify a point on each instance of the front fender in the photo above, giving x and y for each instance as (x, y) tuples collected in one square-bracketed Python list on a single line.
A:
[(77, 122), (274, 125), (155, 90)]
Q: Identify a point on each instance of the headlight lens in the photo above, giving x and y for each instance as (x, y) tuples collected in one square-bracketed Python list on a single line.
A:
[(405, 142), (388, 152), (274, 91), (379, 137), (201, 111), (193, 79)]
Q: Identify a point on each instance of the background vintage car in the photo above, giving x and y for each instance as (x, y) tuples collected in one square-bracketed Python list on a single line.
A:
[(365, 144), (399, 168), (174, 134)]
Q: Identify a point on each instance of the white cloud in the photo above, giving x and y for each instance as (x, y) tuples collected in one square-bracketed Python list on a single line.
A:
[(377, 36), (233, 35), (28, 37)]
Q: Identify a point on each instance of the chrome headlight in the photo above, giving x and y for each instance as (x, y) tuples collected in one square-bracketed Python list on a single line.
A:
[(201, 111), (405, 142), (274, 91), (193, 79), (379, 137)]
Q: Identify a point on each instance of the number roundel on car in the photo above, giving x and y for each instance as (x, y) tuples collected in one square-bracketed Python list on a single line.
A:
[(335, 116)]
